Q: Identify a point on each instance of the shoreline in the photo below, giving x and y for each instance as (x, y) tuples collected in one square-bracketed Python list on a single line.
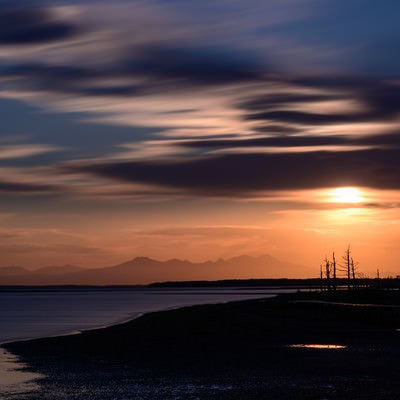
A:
[(132, 316), (245, 343), (124, 321), (76, 331)]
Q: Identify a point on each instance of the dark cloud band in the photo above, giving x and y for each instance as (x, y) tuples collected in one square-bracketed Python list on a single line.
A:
[(380, 140), (27, 26), (24, 187), (240, 174)]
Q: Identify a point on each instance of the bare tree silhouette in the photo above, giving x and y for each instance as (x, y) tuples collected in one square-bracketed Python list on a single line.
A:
[(354, 268), (346, 267), (334, 271), (329, 271)]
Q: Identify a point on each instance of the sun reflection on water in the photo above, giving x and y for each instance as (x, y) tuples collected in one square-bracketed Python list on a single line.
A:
[(317, 346), (14, 380)]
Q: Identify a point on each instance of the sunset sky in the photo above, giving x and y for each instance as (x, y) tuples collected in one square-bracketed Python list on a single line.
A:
[(199, 130)]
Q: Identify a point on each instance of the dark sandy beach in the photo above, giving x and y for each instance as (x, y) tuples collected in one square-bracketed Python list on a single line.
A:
[(237, 350)]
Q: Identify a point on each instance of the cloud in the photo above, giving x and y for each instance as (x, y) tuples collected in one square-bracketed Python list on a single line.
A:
[(33, 25), (25, 187), (383, 99), (194, 169), (5, 236), (24, 150), (149, 70), (60, 248), (377, 140), (370, 100), (241, 174), (140, 61), (200, 66), (49, 77), (297, 117), (264, 102), (152, 64)]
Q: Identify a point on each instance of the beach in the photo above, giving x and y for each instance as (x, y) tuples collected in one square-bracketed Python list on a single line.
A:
[(246, 349)]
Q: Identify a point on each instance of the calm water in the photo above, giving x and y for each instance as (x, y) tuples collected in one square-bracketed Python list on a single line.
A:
[(39, 313), (30, 314)]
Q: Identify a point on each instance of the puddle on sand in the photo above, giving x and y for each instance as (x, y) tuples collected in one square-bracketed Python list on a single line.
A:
[(317, 346), (14, 381)]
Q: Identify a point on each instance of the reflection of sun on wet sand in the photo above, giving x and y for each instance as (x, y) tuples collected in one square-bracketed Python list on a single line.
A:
[(14, 379), (318, 346), (302, 345)]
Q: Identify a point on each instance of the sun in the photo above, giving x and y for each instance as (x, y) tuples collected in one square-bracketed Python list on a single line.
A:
[(346, 195)]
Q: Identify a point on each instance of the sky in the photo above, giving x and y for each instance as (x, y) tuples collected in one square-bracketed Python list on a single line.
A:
[(199, 130)]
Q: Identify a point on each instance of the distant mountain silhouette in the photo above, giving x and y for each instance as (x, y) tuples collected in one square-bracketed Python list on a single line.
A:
[(58, 270), (13, 271), (144, 270)]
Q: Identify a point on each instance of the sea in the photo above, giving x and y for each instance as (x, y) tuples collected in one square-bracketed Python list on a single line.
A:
[(27, 313)]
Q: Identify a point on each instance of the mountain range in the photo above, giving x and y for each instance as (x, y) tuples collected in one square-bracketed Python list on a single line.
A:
[(144, 270)]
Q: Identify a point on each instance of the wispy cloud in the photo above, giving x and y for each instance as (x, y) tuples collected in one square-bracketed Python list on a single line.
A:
[(22, 150), (26, 187), (233, 116)]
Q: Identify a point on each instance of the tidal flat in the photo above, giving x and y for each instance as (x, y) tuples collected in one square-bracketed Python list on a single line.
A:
[(307, 345)]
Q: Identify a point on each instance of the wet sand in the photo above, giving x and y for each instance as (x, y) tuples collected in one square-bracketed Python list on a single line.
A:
[(257, 349)]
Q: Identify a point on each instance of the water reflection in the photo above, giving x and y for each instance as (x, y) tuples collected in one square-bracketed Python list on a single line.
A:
[(318, 346), (15, 381)]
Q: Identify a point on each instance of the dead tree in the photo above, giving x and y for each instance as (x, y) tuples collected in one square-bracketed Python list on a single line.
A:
[(346, 267), (321, 280), (330, 269), (354, 267), (328, 273), (334, 271)]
